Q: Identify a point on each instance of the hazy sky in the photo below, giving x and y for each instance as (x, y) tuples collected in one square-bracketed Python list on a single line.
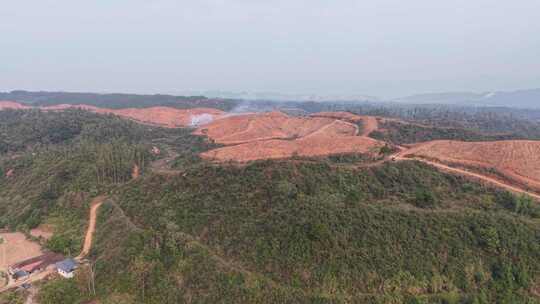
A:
[(378, 47)]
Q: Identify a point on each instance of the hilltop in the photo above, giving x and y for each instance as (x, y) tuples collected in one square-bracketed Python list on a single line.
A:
[(116, 100)]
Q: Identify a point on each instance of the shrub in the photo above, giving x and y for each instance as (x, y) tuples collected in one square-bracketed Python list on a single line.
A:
[(425, 199), (60, 292)]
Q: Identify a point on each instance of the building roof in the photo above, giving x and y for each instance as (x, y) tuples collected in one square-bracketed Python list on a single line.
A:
[(20, 274), (32, 267), (46, 259), (67, 265)]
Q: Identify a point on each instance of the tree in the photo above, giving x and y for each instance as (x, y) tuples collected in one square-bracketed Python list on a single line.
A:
[(142, 269), (86, 278), (425, 199), (60, 292), (118, 298)]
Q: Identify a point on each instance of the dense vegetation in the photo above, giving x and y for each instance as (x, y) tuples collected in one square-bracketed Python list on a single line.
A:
[(276, 232), (494, 122), (56, 161), (27, 130), (407, 133), (299, 231)]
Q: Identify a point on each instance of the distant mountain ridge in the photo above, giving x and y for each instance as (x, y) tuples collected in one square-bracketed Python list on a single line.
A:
[(116, 100), (277, 96), (516, 99), (529, 98), (525, 99)]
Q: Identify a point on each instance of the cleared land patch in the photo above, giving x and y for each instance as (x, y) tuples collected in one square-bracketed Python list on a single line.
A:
[(369, 123), (15, 248), (276, 135), (42, 231), (159, 116), (518, 160)]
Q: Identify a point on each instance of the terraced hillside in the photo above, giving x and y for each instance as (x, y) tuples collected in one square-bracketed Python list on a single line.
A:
[(276, 135)]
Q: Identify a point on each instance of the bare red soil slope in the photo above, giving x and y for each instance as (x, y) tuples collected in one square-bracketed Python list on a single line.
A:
[(263, 126), (12, 105), (347, 116), (277, 135), (369, 123), (160, 116), (518, 160)]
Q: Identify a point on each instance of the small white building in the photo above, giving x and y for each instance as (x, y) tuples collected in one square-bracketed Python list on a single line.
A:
[(66, 268)]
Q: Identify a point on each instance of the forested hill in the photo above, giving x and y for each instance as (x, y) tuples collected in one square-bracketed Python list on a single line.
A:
[(291, 231), (116, 100), (31, 130)]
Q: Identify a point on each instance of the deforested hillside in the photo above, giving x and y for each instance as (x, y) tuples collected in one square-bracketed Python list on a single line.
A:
[(276, 135), (175, 228), (518, 160), (156, 116)]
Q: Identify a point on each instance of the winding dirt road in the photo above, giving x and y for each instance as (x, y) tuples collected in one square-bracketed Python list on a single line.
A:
[(94, 206), (370, 124)]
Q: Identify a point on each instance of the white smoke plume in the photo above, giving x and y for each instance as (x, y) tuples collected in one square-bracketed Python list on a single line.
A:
[(202, 119)]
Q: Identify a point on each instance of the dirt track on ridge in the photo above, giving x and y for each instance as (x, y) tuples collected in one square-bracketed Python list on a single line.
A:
[(517, 160), (370, 124), (473, 175)]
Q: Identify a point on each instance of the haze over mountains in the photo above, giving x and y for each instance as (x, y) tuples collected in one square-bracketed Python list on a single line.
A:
[(529, 98), (519, 99), (277, 96)]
